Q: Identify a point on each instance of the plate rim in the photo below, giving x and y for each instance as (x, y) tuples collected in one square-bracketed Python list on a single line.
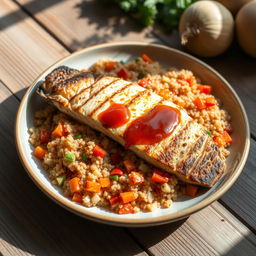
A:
[(129, 222)]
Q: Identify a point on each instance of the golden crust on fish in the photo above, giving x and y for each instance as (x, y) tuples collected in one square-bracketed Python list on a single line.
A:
[(187, 152)]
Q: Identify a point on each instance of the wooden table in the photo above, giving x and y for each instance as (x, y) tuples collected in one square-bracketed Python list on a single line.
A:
[(34, 34)]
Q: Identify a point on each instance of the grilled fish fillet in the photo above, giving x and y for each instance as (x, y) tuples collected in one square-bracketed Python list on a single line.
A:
[(188, 152)]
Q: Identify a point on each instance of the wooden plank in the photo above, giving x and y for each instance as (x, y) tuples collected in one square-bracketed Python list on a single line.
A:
[(212, 231), (241, 197), (30, 222), (88, 22), (26, 48)]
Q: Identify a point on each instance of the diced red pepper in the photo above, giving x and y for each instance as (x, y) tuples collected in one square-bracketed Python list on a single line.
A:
[(191, 190), (229, 129), (114, 200), (129, 165), (77, 197), (115, 158), (159, 177), (98, 151), (45, 136), (144, 81), (136, 178), (210, 101), (199, 103), (124, 73), (219, 141), (146, 59), (191, 80), (207, 89), (117, 171), (126, 209)]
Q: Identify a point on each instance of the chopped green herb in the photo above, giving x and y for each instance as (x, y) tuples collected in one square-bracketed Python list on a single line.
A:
[(60, 180), (208, 132), (122, 62), (114, 177), (79, 136), (70, 157), (85, 157), (137, 59), (142, 75)]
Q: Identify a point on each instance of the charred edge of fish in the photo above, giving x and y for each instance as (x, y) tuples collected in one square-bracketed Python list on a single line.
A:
[(186, 166), (168, 151), (97, 92), (72, 80), (110, 97), (209, 168)]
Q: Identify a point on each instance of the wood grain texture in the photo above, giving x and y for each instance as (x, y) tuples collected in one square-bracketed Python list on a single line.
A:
[(26, 49), (89, 22), (31, 223), (212, 231)]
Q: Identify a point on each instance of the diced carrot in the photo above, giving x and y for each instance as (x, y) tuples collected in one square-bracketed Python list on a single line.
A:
[(146, 58), (74, 185), (110, 65), (126, 209), (124, 73), (58, 131), (191, 190), (114, 200), (219, 141), (199, 103), (209, 101), (98, 151), (128, 196), (165, 93), (39, 152), (77, 197), (136, 178), (207, 89), (115, 158), (117, 171), (92, 186), (226, 137), (160, 177), (129, 165), (104, 182), (45, 136), (144, 81), (84, 70)]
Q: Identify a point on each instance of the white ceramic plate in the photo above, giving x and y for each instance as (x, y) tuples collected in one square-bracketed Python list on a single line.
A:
[(167, 57)]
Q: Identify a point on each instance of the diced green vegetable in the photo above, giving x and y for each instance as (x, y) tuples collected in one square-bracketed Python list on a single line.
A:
[(142, 75), (60, 180), (122, 62), (85, 157), (208, 132), (114, 177), (70, 157), (78, 136), (137, 59)]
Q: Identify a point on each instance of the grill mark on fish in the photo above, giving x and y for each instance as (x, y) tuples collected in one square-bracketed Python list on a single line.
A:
[(97, 92), (72, 80), (140, 94), (77, 95), (167, 154), (188, 164), (110, 97)]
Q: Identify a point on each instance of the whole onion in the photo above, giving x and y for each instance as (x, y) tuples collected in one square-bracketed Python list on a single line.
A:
[(206, 28)]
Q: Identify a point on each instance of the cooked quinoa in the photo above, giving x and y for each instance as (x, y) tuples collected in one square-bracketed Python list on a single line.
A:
[(72, 163)]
